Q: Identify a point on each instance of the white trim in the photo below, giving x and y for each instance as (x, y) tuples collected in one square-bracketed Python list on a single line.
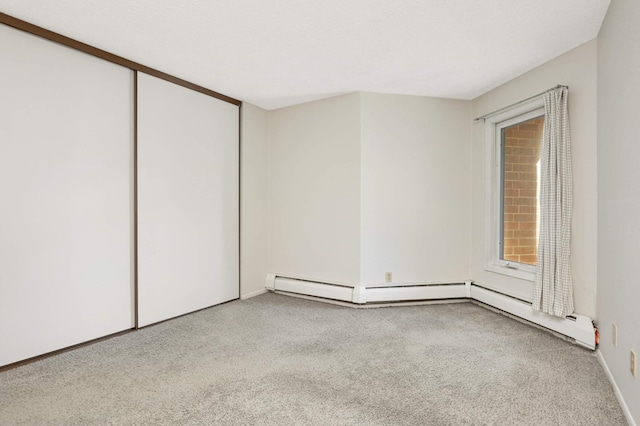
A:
[(310, 279), (616, 389), (580, 329), (459, 280), (373, 305), (359, 294), (314, 288), (500, 267), (577, 327), (416, 292), (270, 281), (493, 263), (253, 294), (524, 295)]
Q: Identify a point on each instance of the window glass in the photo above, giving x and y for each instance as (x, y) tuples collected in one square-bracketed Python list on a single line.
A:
[(520, 154)]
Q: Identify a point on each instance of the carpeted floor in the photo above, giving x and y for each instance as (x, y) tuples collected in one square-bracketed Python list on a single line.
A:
[(280, 360)]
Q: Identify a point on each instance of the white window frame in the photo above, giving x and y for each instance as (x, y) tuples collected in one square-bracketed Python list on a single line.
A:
[(493, 126)]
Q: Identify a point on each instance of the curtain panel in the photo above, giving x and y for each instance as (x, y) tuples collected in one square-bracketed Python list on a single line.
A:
[(553, 290)]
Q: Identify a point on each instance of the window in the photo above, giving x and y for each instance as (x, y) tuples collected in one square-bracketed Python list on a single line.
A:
[(515, 140)]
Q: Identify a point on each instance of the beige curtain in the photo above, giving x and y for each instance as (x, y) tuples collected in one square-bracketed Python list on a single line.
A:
[(553, 291)]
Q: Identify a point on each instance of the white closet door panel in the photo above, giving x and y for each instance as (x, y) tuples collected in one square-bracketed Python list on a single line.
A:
[(66, 141), (188, 191)]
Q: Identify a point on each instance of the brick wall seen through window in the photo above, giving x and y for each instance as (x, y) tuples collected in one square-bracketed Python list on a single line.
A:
[(521, 155)]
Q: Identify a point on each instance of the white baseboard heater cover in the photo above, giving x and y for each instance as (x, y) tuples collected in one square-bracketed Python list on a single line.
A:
[(312, 288), (415, 292), (361, 295), (576, 327)]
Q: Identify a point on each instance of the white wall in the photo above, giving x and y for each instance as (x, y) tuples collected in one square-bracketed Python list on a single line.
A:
[(619, 193), (577, 69), (314, 190), (254, 203), (416, 189)]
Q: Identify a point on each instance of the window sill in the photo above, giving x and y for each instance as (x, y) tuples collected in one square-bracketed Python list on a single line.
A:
[(515, 273)]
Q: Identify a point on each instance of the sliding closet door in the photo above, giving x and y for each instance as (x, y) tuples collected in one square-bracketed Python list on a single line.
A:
[(188, 190), (66, 191)]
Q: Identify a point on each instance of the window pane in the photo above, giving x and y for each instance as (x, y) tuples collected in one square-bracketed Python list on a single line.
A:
[(521, 145)]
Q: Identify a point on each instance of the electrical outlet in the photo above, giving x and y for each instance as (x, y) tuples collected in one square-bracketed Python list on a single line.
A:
[(633, 363), (387, 277), (614, 334)]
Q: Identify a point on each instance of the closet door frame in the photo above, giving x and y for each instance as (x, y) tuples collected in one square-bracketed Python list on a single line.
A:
[(136, 67)]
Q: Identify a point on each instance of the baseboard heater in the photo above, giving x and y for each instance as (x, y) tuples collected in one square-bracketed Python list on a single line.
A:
[(577, 327)]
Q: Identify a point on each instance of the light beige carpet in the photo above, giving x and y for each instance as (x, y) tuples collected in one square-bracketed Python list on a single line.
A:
[(278, 360)]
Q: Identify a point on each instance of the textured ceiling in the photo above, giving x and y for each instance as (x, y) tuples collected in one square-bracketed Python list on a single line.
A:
[(275, 53)]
